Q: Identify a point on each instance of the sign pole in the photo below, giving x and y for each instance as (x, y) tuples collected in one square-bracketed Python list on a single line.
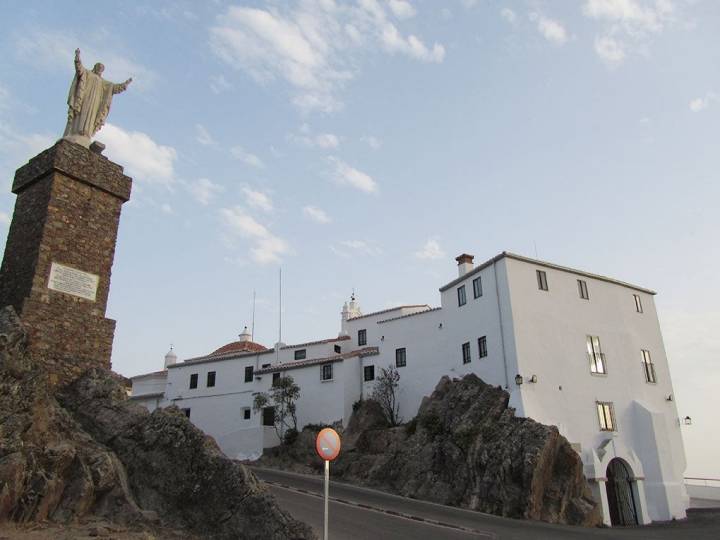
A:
[(327, 491)]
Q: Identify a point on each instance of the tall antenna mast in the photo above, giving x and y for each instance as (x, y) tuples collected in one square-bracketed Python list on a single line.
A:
[(252, 331), (277, 349)]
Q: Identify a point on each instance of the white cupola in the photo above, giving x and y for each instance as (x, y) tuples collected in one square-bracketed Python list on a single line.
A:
[(170, 357), (350, 310), (245, 335)]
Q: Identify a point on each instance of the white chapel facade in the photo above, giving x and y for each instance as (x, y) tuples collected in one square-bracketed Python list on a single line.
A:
[(577, 350)]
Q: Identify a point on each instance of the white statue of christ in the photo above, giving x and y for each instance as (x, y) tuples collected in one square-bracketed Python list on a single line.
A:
[(89, 102)]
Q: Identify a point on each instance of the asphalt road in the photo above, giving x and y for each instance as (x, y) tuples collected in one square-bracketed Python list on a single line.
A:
[(361, 513)]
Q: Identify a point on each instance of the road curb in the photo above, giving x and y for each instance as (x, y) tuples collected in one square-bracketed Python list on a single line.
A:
[(393, 513)]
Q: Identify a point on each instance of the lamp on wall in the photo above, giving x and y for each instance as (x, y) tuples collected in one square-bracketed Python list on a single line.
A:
[(687, 421), (518, 379), (669, 398), (533, 379)]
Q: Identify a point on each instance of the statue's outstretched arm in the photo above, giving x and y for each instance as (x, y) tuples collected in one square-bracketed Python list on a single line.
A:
[(117, 88), (78, 63)]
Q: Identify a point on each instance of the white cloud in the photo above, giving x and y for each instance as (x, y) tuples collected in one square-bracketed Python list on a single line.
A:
[(431, 250), (347, 175), (552, 30), (203, 136), (266, 247), (143, 158), (701, 103), (627, 25), (52, 50), (311, 44), (372, 142), (350, 248), (609, 50), (469, 3), (320, 140), (327, 140), (258, 199), (204, 190), (402, 9), (238, 152), (316, 214), (219, 84), (508, 14), (166, 208), (4, 218)]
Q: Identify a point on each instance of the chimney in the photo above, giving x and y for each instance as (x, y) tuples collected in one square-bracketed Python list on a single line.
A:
[(465, 264)]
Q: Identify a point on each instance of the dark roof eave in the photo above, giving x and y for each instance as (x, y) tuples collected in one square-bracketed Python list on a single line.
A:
[(545, 264), (361, 353)]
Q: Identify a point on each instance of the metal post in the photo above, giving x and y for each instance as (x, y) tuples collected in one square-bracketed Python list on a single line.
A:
[(327, 491)]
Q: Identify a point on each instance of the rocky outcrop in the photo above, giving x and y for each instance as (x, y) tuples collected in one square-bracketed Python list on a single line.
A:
[(467, 448), (89, 452)]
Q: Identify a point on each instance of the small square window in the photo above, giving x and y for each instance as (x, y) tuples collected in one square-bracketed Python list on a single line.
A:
[(300, 354), (338, 349), (482, 347), (276, 379), (326, 373), (466, 353), (638, 303), (369, 373), (606, 416), (542, 280), (477, 287), (582, 290), (210, 379), (362, 337), (193, 381), (249, 371), (400, 357), (186, 412), (246, 413), (461, 295), (265, 365)]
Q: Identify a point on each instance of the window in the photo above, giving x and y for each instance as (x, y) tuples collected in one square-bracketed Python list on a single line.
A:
[(477, 287), (246, 413), (269, 416), (606, 416), (582, 290), (638, 303), (369, 373), (466, 352), (326, 373), (362, 337), (248, 373), (300, 354), (210, 379), (338, 349), (400, 357), (482, 346), (595, 356), (186, 412), (193, 380), (648, 367), (461, 295), (265, 365), (542, 280), (276, 379)]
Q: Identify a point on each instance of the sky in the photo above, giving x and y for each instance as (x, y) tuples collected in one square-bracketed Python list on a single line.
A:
[(363, 145)]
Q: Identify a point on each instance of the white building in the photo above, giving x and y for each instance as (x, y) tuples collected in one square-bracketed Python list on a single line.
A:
[(576, 350)]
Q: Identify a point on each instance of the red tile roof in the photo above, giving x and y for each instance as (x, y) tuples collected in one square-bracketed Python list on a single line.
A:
[(239, 346), (360, 353)]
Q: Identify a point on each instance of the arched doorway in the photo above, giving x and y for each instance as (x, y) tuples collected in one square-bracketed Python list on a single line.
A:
[(621, 499)]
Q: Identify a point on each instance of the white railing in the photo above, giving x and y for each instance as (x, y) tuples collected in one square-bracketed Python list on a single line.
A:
[(703, 488)]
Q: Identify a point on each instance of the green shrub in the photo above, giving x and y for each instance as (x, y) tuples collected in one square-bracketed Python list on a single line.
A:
[(291, 436), (411, 426), (432, 423)]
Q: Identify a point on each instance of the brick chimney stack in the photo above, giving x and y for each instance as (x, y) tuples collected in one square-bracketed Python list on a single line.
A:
[(465, 264)]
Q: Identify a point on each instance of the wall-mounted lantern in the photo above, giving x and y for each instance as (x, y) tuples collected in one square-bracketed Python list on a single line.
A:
[(687, 421), (518, 379), (533, 379)]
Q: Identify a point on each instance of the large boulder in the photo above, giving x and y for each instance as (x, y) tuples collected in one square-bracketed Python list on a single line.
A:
[(86, 451), (467, 448)]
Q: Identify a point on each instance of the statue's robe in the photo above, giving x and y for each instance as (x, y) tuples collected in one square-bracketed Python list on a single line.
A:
[(89, 104)]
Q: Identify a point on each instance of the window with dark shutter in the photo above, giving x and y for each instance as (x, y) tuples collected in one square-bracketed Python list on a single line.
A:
[(210, 379), (193, 381), (249, 373)]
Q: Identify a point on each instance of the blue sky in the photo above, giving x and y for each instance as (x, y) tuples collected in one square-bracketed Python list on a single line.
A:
[(366, 144)]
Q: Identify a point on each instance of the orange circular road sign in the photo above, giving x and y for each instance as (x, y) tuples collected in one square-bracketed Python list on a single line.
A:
[(327, 444)]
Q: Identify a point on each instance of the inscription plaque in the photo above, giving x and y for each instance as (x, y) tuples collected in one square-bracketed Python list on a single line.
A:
[(72, 281)]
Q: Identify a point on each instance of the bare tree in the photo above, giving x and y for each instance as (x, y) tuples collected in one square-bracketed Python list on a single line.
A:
[(282, 397), (385, 392)]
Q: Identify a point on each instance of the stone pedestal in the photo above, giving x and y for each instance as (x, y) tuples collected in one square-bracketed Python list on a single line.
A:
[(59, 255)]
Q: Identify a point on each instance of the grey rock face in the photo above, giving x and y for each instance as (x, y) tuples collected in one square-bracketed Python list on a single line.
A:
[(88, 451), (466, 448)]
